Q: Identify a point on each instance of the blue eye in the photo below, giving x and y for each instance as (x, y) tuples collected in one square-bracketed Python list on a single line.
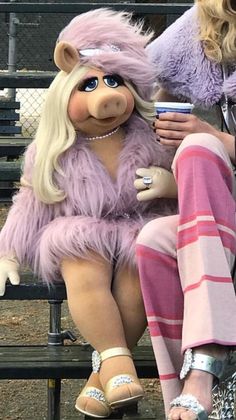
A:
[(113, 80), (88, 85)]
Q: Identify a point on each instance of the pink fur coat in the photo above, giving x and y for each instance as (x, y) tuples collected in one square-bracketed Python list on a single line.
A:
[(103, 216)]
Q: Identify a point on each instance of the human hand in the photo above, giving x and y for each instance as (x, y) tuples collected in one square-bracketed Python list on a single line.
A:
[(9, 269), (162, 184), (173, 127)]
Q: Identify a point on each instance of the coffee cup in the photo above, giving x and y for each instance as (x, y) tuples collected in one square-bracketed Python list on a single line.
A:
[(182, 107)]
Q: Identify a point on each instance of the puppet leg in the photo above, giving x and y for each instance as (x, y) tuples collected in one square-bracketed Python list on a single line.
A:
[(127, 294), (88, 283), (94, 311)]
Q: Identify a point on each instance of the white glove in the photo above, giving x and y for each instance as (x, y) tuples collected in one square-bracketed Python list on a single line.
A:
[(162, 184), (9, 269)]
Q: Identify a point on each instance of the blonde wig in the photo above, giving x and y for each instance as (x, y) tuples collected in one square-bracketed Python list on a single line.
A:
[(56, 134), (144, 108), (218, 29)]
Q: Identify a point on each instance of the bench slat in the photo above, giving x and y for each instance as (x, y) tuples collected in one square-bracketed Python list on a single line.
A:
[(69, 7), (9, 116), (26, 79), (9, 104), (14, 141), (10, 171), (13, 146), (32, 288), (11, 129), (67, 362)]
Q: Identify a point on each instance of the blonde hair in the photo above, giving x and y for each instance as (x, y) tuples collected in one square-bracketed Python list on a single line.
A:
[(218, 29), (144, 108), (56, 134)]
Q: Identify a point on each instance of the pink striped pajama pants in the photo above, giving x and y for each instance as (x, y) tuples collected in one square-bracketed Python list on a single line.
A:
[(185, 261)]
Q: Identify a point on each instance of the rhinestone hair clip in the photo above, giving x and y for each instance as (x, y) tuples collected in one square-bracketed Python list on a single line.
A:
[(89, 52)]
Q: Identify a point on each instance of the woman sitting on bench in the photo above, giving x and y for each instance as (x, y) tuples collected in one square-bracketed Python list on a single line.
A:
[(185, 261)]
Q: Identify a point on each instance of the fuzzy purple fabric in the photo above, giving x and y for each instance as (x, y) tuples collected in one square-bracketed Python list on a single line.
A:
[(91, 29), (103, 216), (183, 69)]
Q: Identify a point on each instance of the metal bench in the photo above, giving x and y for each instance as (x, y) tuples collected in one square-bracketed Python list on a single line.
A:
[(8, 117), (11, 149), (56, 361)]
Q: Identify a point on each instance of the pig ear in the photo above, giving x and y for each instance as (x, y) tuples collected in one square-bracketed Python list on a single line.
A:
[(65, 56)]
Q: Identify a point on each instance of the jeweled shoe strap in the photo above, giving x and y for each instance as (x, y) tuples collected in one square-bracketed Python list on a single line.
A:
[(98, 358), (203, 362), (208, 364), (118, 380), (113, 352), (93, 392), (190, 402)]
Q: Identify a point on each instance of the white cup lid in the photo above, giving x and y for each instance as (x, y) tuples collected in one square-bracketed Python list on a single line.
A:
[(181, 105)]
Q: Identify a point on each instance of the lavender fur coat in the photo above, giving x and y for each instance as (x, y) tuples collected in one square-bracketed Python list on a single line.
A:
[(97, 214), (182, 67)]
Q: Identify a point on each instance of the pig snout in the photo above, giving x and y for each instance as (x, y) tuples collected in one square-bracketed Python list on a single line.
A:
[(108, 105)]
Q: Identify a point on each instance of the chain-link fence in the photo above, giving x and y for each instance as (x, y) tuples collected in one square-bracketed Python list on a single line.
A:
[(27, 44)]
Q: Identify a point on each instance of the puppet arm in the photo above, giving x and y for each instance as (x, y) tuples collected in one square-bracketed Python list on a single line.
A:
[(163, 184), (18, 236)]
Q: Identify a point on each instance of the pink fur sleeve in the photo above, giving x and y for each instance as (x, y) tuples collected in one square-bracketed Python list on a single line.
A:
[(25, 218)]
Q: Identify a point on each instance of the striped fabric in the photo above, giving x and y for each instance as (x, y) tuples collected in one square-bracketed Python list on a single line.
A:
[(185, 261)]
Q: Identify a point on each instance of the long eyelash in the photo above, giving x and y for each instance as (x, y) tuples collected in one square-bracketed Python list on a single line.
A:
[(119, 79), (83, 83)]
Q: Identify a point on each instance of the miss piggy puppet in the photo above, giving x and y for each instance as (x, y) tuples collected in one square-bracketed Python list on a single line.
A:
[(77, 214)]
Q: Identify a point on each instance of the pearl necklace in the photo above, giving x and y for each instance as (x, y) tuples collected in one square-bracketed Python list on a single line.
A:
[(104, 136)]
